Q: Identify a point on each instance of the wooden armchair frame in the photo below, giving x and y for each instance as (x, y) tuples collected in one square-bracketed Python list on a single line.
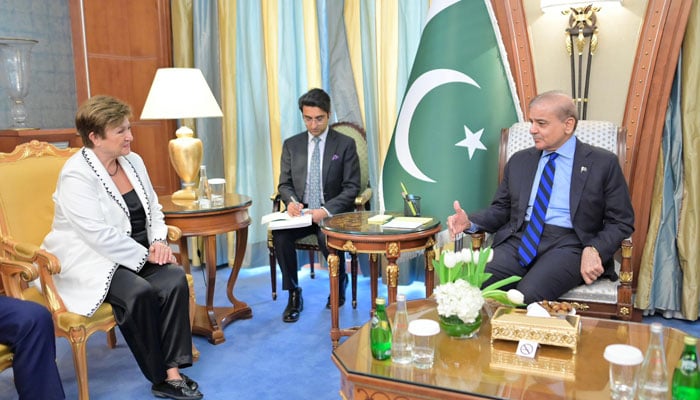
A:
[(310, 243), (617, 302), (18, 244)]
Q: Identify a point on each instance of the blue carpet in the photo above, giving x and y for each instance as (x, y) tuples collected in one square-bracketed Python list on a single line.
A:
[(262, 358)]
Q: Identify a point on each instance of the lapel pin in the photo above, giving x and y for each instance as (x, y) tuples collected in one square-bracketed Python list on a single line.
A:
[(583, 169)]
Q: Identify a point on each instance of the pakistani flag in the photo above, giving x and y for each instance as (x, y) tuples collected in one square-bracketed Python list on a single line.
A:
[(459, 96)]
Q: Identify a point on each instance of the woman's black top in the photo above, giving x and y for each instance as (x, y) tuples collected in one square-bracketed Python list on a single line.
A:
[(138, 217)]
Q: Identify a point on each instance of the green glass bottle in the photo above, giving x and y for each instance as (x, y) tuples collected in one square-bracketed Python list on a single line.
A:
[(686, 377), (380, 332)]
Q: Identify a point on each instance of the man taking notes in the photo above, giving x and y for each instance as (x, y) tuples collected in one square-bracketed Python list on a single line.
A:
[(320, 175)]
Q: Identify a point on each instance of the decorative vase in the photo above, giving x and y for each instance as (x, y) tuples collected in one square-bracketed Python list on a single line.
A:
[(458, 329), (14, 59)]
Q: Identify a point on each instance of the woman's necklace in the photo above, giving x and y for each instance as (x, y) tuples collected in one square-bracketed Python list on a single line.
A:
[(115, 169)]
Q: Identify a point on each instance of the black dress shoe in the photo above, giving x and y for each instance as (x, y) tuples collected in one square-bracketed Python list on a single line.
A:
[(175, 389), (342, 286), (294, 306), (191, 383)]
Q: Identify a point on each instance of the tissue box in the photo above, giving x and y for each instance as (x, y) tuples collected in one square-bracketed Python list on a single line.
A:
[(514, 324)]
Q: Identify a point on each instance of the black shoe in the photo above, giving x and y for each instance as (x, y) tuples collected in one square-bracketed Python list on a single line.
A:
[(175, 389), (189, 382), (294, 306), (342, 286)]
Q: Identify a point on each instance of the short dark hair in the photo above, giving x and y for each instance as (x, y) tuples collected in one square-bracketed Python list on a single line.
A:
[(315, 98), (97, 114)]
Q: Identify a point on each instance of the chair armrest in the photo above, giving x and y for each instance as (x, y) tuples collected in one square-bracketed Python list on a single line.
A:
[(362, 200), (276, 200), (15, 275), (174, 233), (478, 239), (47, 264), (626, 272)]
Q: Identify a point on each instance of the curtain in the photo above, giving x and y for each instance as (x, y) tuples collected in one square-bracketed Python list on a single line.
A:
[(260, 56), (669, 277)]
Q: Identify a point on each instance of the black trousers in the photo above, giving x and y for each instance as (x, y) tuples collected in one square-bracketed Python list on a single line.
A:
[(286, 254), (27, 328), (554, 271), (152, 310)]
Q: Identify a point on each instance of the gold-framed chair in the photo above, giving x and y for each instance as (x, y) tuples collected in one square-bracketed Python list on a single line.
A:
[(28, 177), (604, 298), (310, 243)]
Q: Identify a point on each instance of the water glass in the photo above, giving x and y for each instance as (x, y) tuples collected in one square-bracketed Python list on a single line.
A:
[(218, 189), (423, 334), (624, 364)]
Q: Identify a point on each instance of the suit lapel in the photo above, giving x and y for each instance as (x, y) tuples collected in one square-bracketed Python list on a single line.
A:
[(579, 174), (528, 179), (329, 152)]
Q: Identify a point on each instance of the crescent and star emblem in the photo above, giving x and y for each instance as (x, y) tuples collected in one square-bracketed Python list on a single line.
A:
[(420, 87)]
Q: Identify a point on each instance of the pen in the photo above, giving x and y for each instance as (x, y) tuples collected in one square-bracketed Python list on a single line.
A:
[(294, 200), (404, 194)]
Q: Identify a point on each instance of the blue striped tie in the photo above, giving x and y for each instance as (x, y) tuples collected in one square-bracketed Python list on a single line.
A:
[(533, 230)]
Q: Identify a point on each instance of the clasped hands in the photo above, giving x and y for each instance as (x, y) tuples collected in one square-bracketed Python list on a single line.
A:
[(591, 264), (160, 253)]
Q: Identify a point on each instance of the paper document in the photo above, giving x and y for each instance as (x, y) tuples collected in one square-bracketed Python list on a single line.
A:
[(282, 220), (406, 222)]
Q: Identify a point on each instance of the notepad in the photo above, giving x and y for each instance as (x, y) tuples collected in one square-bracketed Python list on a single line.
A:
[(406, 222), (282, 220), (379, 219)]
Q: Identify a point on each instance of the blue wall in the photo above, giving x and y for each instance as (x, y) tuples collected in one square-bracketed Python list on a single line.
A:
[(51, 102)]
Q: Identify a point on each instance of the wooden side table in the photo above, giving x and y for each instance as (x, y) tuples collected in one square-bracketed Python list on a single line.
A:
[(10, 138), (232, 216), (351, 232)]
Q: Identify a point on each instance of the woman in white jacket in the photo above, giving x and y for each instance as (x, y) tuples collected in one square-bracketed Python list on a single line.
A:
[(109, 234)]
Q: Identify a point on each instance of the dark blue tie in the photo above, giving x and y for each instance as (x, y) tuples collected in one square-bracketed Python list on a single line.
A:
[(533, 230)]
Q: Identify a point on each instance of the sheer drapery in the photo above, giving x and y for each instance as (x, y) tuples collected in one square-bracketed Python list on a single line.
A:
[(260, 56)]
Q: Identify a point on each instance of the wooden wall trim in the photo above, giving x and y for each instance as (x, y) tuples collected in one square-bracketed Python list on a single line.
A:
[(513, 26), (78, 33), (647, 100)]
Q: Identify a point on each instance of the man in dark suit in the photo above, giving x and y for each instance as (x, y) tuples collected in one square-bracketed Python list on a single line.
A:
[(586, 216), (27, 328), (307, 189)]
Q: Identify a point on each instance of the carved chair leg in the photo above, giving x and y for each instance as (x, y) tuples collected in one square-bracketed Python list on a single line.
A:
[(312, 260), (193, 305), (77, 342), (273, 273), (353, 277), (111, 338)]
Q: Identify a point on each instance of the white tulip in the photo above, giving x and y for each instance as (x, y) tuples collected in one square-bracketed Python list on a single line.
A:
[(515, 296), (451, 259)]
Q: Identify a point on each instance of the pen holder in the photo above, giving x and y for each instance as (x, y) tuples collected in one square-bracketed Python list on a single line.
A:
[(411, 205)]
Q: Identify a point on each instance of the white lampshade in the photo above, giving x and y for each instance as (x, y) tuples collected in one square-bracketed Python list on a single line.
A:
[(178, 93), (562, 5)]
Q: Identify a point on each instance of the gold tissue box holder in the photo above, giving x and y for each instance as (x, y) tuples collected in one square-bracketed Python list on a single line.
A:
[(551, 365), (513, 324)]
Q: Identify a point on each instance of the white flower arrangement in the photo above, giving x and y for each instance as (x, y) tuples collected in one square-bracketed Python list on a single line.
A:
[(461, 275)]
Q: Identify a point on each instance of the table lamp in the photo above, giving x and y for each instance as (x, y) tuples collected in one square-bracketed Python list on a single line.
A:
[(179, 93)]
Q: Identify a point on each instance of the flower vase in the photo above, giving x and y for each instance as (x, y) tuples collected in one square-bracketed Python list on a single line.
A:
[(458, 329)]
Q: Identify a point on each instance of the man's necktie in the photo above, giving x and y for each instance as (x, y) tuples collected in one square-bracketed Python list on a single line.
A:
[(534, 227), (315, 176)]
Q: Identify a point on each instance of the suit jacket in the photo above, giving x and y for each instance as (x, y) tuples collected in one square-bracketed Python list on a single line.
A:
[(91, 231), (599, 201), (340, 171)]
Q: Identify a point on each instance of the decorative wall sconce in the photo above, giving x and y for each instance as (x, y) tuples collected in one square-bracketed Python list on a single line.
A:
[(581, 39)]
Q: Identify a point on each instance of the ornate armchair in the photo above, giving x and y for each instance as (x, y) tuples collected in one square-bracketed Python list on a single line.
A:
[(310, 243), (604, 298), (28, 179)]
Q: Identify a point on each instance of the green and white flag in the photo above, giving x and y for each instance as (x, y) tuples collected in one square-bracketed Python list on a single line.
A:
[(459, 95)]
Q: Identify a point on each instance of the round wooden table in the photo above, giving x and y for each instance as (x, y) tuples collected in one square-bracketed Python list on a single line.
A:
[(232, 216), (353, 233)]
